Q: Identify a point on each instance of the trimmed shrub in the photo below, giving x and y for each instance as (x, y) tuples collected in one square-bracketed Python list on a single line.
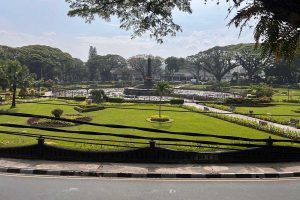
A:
[(177, 101), (88, 108), (79, 98), (162, 118), (98, 96), (57, 113), (115, 100)]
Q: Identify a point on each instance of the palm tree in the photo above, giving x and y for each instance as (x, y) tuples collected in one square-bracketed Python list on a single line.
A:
[(17, 75), (161, 88)]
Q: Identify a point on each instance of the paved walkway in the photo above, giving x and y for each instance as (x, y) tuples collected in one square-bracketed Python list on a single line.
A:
[(290, 169), (284, 127)]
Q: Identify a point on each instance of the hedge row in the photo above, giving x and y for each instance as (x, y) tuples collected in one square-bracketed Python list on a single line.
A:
[(88, 108)]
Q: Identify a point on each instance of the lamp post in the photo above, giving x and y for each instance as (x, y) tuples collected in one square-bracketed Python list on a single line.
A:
[(14, 87)]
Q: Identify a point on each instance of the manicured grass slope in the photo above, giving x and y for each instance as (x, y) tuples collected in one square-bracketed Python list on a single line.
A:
[(183, 121), (274, 109)]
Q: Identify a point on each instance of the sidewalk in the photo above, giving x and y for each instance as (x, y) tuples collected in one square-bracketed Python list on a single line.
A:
[(268, 170), (284, 127)]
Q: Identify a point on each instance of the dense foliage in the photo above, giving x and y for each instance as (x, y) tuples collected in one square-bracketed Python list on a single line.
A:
[(277, 22), (46, 62)]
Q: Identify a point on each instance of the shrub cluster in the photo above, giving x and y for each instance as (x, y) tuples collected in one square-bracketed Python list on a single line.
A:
[(247, 101), (50, 123), (98, 96)]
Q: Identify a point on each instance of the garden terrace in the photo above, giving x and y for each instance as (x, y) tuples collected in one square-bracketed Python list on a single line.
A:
[(124, 127)]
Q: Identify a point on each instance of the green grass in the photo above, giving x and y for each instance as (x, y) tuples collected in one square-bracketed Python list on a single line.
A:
[(281, 94), (183, 121), (274, 109)]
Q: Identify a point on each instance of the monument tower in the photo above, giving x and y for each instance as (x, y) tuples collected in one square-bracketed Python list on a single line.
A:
[(148, 80)]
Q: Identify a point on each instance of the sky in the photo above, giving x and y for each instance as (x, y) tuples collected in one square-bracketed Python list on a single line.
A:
[(45, 22)]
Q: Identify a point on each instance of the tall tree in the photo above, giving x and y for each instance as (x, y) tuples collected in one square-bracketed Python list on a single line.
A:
[(92, 52), (18, 76), (195, 65), (139, 64), (47, 62), (92, 63), (283, 72), (277, 27), (173, 65), (218, 62), (162, 88), (252, 62), (101, 67)]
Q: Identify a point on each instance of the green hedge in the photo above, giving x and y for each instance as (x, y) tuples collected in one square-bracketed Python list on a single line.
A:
[(177, 101), (115, 100), (79, 98), (88, 108)]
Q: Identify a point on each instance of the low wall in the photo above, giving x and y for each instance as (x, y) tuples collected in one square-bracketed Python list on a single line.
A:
[(153, 155)]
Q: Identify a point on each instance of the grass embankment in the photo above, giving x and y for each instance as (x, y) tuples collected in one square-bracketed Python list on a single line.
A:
[(183, 121)]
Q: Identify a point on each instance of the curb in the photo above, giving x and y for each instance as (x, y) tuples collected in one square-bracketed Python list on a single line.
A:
[(148, 175)]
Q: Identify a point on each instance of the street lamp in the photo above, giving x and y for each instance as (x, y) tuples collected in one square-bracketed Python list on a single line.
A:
[(13, 104)]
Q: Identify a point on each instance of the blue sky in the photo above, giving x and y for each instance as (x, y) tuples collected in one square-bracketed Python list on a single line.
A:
[(25, 22)]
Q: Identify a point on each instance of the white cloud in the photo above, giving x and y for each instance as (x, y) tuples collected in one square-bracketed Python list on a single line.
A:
[(181, 46), (50, 34)]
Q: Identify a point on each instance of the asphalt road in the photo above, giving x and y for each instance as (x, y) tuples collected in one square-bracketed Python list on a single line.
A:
[(16, 187)]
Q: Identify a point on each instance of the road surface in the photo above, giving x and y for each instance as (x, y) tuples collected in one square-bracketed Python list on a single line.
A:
[(18, 187)]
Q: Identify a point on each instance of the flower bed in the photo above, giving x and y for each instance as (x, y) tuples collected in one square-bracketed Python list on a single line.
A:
[(161, 119), (56, 123)]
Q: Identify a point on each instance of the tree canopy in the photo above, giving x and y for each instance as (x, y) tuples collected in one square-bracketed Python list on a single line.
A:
[(277, 27), (139, 64), (218, 61), (46, 62)]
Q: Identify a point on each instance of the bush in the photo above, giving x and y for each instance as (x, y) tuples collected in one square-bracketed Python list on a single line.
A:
[(23, 93), (177, 101), (247, 101), (88, 108), (98, 96), (79, 98), (264, 100), (263, 90), (291, 101), (57, 113), (115, 100), (162, 118)]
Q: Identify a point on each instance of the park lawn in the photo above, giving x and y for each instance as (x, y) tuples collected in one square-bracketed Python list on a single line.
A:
[(281, 94), (183, 121), (280, 108)]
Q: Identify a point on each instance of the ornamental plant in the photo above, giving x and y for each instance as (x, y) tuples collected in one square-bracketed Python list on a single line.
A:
[(57, 113)]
